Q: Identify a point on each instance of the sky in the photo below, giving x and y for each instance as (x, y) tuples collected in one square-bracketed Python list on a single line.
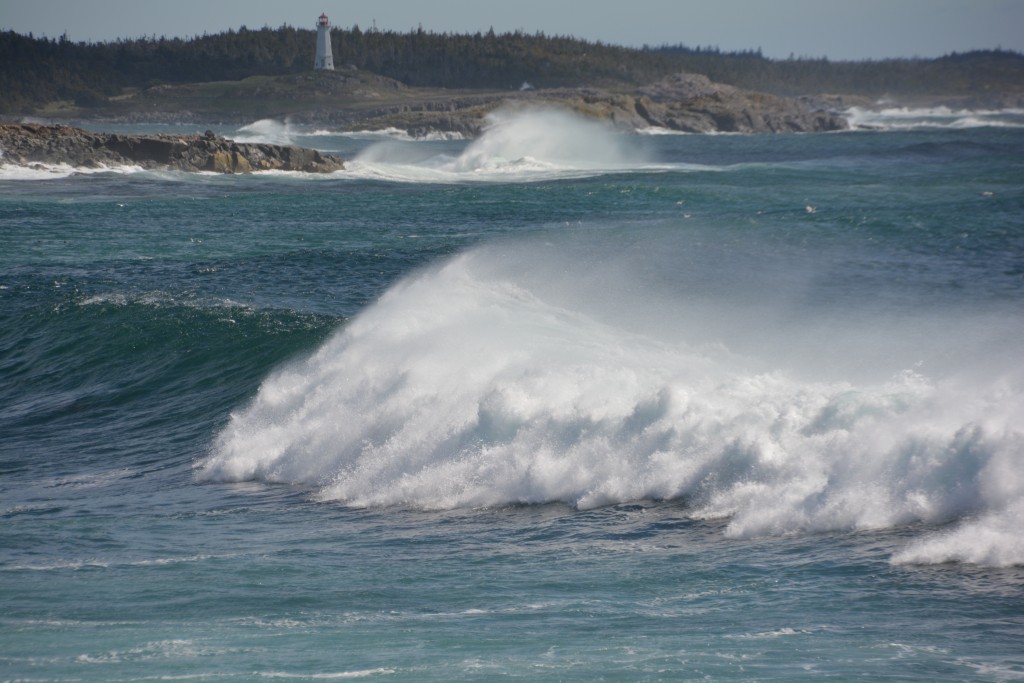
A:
[(836, 29)]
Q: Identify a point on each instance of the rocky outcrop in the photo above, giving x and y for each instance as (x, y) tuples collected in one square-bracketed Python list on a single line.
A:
[(738, 113), (684, 102), (693, 103), (27, 143)]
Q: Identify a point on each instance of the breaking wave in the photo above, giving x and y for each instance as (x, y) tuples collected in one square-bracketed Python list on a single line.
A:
[(907, 118), (516, 145), (267, 131), (503, 377)]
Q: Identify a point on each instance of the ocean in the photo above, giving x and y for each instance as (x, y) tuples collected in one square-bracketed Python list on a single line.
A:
[(556, 404)]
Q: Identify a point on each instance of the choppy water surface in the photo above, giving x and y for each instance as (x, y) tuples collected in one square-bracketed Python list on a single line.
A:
[(554, 404)]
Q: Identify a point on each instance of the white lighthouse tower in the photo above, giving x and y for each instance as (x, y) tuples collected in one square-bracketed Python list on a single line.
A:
[(324, 58)]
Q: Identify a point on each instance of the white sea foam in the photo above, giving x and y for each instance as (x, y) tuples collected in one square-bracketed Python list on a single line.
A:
[(104, 563), (40, 171), (176, 649), (658, 130), (995, 539), (328, 676), (160, 299), (495, 378), (778, 633), (907, 118), (399, 134), (517, 145)]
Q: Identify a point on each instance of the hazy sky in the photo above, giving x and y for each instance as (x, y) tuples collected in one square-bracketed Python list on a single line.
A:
[(837, 29)]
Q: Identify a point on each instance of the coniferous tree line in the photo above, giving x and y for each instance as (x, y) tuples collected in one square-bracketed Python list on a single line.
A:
[(35, 70), (972, 73)]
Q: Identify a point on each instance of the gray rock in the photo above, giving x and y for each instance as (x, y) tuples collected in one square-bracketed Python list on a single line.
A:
[(27, 143)]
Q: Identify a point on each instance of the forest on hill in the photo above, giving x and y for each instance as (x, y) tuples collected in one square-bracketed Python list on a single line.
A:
[(37, 70)]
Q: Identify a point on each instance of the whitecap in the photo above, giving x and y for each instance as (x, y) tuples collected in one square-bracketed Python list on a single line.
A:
[(41, 171), (471, 385), (392, 133), (924, 118)]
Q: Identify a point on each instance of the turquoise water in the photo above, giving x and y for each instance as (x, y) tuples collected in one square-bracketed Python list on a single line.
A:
[(556, 404)]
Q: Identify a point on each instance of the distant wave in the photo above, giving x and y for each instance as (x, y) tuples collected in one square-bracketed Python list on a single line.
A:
[(474, 384), (658, 130), (398, 134), (272, 131), (905, 118), (266, 131)]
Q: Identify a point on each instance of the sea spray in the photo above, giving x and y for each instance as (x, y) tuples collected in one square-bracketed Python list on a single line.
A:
[(546, 136), (266, 131), (528, 144), (993, 539), (468, 385)]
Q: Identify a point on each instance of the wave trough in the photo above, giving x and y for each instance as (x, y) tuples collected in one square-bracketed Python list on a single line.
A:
[(468, 386)]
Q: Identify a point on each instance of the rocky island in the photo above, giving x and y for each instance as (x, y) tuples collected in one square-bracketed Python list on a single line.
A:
[(28, 143)]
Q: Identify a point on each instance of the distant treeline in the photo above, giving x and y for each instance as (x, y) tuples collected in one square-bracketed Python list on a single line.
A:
[(978, 73), (37, 70)]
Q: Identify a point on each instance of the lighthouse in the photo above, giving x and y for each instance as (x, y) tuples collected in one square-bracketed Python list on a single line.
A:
[(324, 58)]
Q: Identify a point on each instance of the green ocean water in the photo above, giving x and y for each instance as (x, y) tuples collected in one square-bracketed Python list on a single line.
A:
[(555, 404)]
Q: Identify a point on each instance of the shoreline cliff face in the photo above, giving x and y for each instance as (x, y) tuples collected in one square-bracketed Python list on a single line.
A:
[(27, 143)]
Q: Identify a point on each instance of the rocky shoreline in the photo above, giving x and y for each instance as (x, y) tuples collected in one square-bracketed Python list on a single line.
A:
[(352, 100), (25, 144), (687, 103)]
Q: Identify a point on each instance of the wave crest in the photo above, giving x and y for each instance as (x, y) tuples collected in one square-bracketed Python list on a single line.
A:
[(930, 118), (466, 387)]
